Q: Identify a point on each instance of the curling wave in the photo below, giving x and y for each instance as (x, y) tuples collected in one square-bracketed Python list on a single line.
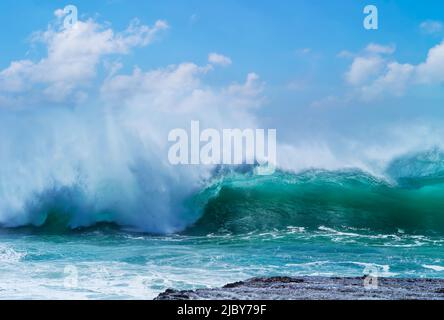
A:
[(410, 197)]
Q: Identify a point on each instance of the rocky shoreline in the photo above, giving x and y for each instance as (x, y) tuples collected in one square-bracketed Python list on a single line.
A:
[(317, 288)]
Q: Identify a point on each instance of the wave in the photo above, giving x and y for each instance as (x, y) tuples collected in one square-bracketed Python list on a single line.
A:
[(409, 197)]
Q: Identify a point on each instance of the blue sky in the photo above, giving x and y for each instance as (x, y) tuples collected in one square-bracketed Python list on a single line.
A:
[(302, 51)]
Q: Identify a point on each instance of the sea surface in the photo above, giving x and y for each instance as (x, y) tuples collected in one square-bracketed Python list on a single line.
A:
[(109, 264), (312, 223)]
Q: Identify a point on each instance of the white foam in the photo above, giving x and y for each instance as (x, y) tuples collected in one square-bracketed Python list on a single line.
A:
[(9, 255), (433, 267)]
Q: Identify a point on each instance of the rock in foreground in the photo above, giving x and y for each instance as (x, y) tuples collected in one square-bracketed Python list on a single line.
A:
[(316, 288)]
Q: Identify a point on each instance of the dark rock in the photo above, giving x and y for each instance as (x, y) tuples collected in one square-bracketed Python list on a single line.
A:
[(170, 291), (316, 288), (233, 285), (280, 279)]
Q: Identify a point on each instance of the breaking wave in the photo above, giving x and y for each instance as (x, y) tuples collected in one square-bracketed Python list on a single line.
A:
[(73, 174), (409, 197)]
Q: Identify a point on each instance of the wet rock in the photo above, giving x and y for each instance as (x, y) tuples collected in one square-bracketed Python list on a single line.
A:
[(316, 288)]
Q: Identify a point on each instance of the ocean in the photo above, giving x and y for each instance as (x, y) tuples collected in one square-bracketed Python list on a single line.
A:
[(312, 223)]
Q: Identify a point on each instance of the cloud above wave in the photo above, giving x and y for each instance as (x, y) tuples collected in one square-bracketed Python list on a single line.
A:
[(374, 74), (73, 56)]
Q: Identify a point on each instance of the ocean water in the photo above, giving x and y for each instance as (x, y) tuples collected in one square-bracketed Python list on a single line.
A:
[(315, 222), (109, 264)]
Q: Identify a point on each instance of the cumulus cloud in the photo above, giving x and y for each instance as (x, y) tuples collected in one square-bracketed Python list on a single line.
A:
[(73, 55), (219, 59), (251, 88), (432, 70), (393, 82), (373, 74), (368, 64), (362, 68), (179, 89)]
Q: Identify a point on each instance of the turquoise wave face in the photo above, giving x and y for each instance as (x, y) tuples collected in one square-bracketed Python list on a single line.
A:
[(240, 203)]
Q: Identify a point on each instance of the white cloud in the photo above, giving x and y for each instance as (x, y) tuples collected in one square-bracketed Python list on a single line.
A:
[(394, 81), (59, 13), (368, 64), (219, 59), (432, 70), (72, 58), (374, 75), (363, 68), (179, 89), (247, 91), (431, 26)]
